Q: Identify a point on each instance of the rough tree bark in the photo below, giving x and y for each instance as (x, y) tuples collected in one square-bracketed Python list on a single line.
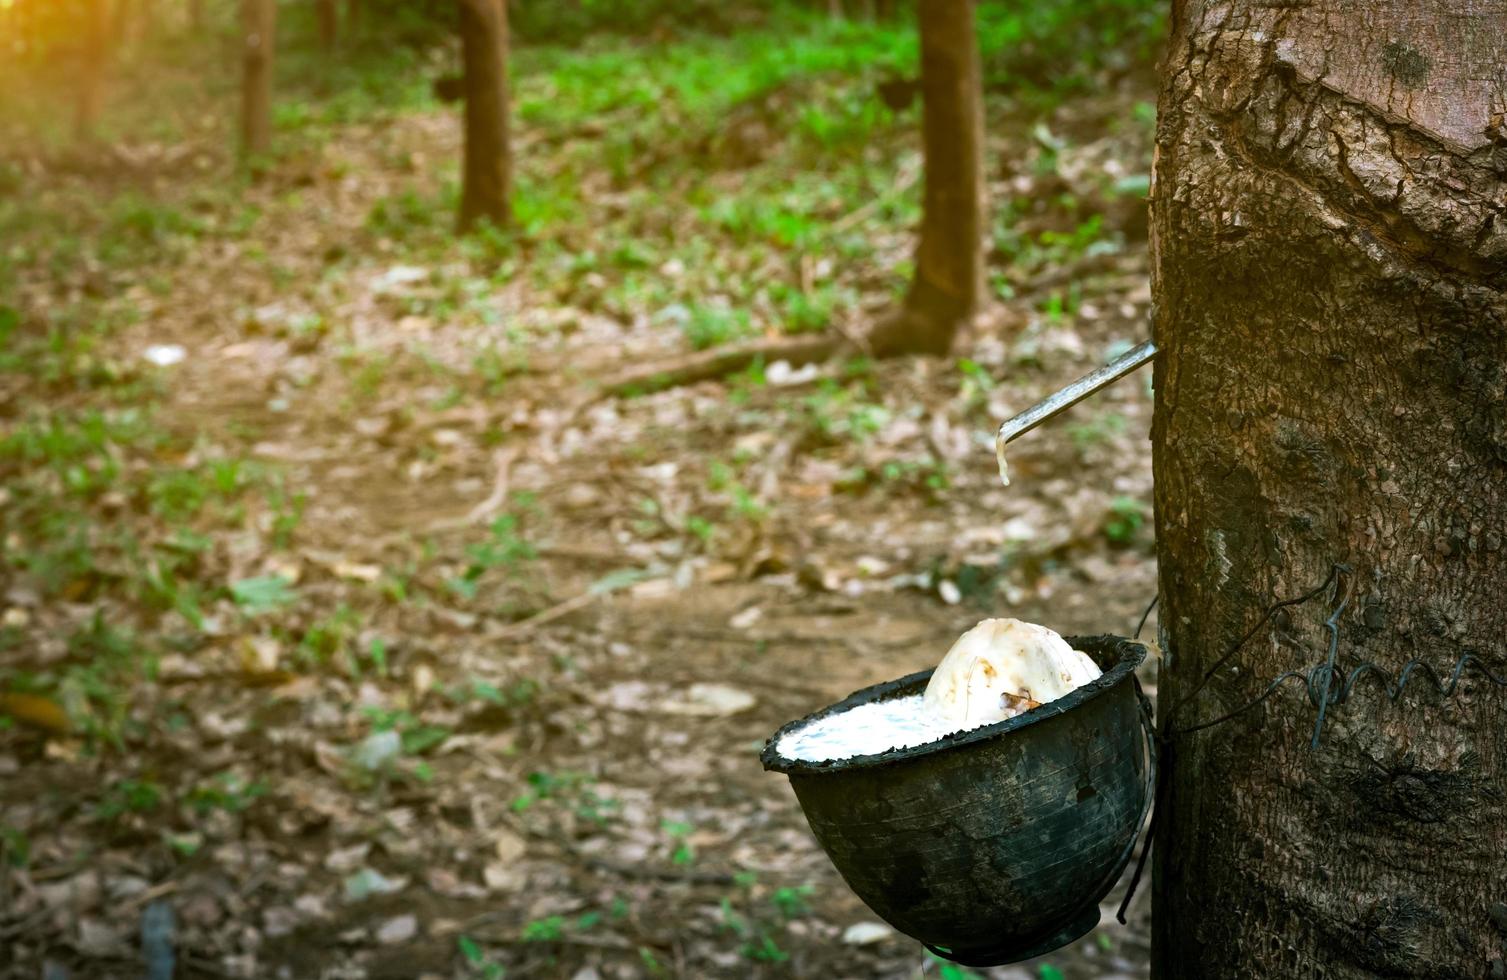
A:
[(258, 37), (328, 15), (1330, 256), (487, 171), (949, 278), (94, 48)]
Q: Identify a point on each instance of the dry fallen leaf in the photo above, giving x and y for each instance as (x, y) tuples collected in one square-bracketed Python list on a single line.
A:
[(345, 860), (36, 711), (95, 938), (368, 882), (866, 933), (398, 929), (708, 700), (421, 680), (503, 879), (510, 847), (260, 654), (357, 571)]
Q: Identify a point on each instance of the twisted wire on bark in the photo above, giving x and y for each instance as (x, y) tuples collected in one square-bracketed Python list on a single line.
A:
[(1326, 684)]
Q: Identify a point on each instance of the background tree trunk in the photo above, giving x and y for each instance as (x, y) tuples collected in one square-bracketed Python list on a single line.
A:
[(487, 176), (94, 49), (949, 278), (258, 38), (1329, 261), (120, 13), (196, 15), (329, 22), (352, 17)]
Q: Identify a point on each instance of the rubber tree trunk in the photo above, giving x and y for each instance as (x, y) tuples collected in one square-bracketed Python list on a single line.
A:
[(122, 22), (94, 50), (258, 37), (328, 14), (1330, 255), (144, 25), (487, 168), (949, 277), (133, 22)]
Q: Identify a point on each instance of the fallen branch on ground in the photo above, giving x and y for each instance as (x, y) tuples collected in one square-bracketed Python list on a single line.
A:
[(712, 364), (545, 616), (480, 514), (604, 586)]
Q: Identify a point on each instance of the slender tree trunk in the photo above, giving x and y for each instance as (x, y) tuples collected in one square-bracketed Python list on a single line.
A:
[(487, 171), (1330, 256), (949, 278), (353, 10), (258, 38), (196, 15), (329, 22), (120, 17), (94, 48), (834, 8)]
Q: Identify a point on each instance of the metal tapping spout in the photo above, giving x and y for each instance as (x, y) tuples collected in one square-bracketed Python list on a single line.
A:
[(1071, 394)]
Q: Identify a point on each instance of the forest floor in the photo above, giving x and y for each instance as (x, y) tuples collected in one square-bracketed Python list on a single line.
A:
[(347, 616)]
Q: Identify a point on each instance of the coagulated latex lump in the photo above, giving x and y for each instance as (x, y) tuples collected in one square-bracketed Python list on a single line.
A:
[(1001, 668)]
